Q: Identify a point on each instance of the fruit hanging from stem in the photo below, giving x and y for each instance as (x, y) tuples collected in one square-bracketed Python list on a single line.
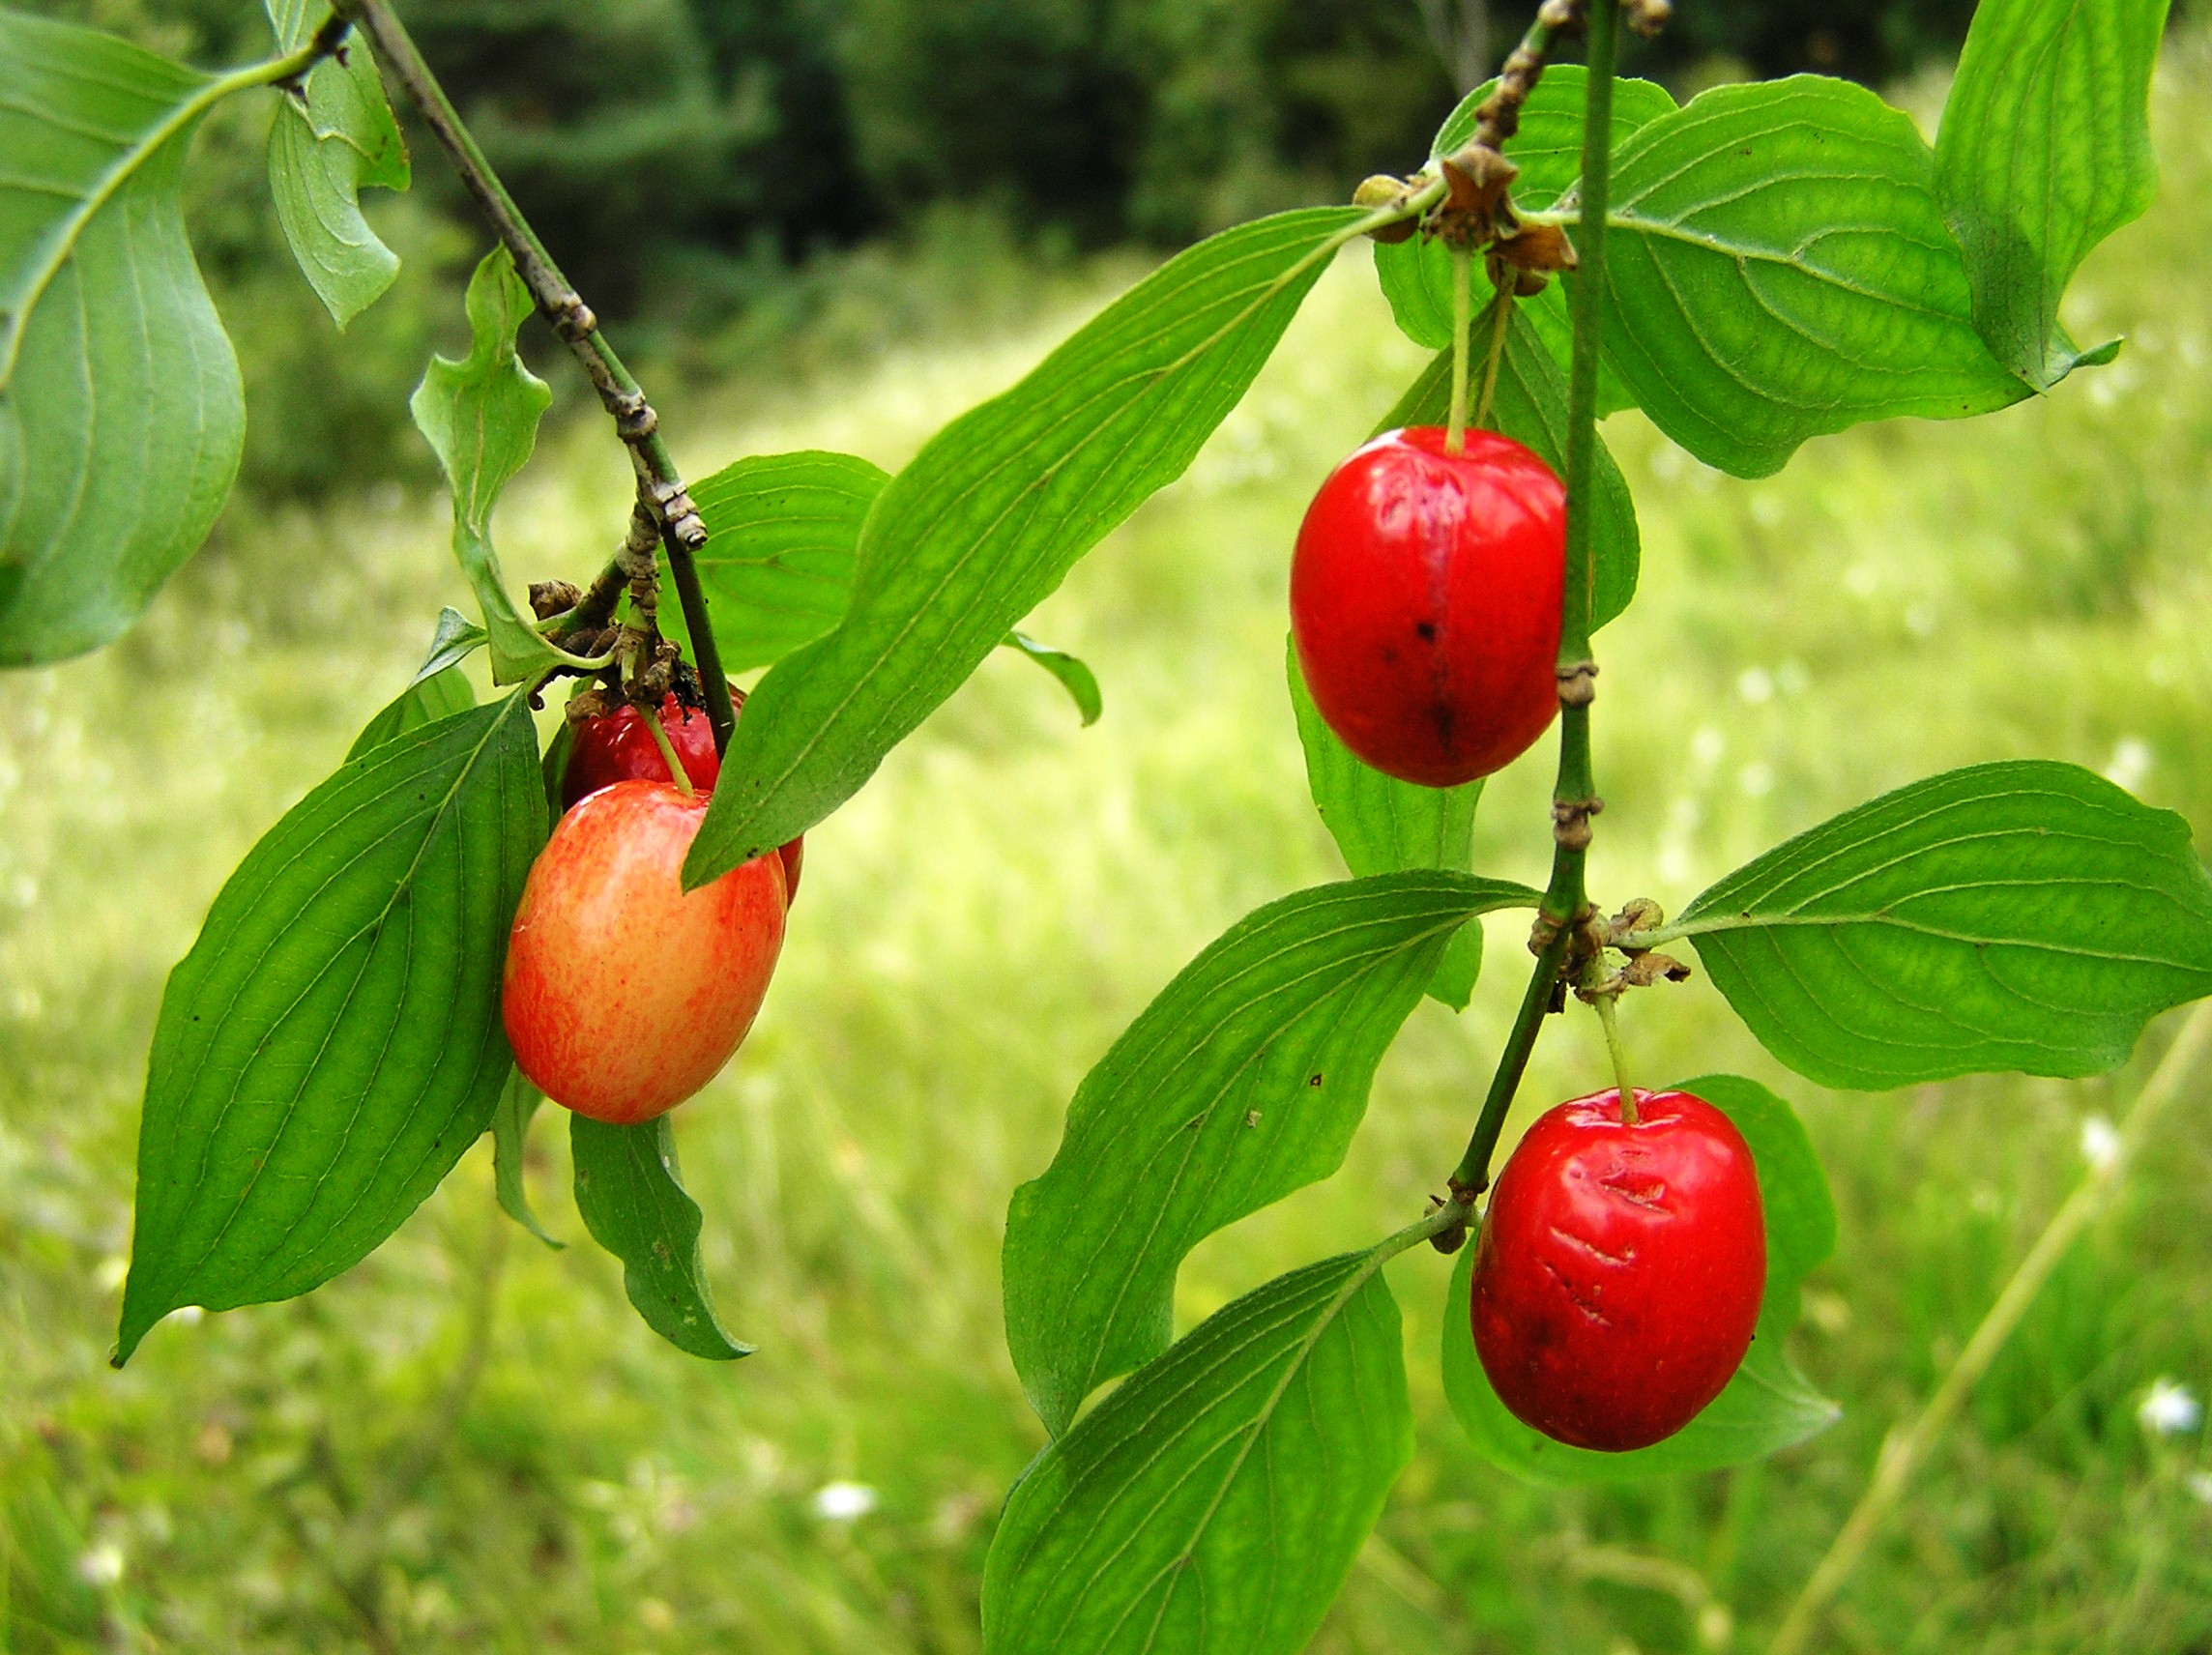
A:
[(623, 993), (1425, 602), (1618, 1277)]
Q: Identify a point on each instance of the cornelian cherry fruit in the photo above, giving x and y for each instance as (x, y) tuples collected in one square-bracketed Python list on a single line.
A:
[(625, 993), (1618, 1277), (1425, 599), (617, 747)]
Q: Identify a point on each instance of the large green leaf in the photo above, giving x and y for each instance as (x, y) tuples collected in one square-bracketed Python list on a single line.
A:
[(634, 1204), (1384, 826), (1531, 406), (2020, 915), (994, 512), (1214, 1504), (332, 1044), (480, 414), (331, 140), (1240, 1083), (1417, 275), (1778, 267), (121, 411), (1767, 1406), (439, 689), (2045, 151)]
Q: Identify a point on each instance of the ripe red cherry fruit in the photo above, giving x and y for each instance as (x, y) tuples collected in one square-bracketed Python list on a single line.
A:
[(1617, 1280), (1425, 597), (617, 747), (625, 993)]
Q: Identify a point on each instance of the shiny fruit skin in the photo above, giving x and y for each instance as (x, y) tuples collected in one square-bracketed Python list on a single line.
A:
[(617, 747), (1425, 600), (1618, 1277), (624, 994)]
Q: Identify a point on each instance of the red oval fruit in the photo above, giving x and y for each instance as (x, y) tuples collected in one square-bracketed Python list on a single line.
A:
[(624, 994), (1425, 597), (617, 747), (1617, 1280)]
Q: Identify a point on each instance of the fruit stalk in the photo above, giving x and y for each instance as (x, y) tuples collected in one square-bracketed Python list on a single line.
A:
[(1574, 793), (660, 485)]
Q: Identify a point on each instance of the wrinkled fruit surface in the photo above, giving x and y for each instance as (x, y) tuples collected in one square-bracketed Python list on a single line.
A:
[(1617, 1280), (623, 996), (1425, 597), (619, 747)]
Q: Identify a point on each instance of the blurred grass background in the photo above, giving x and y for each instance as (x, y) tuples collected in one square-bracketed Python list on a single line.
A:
[(469, 1443)]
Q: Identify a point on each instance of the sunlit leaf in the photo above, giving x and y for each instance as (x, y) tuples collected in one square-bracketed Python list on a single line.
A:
[(1214, 1504), (994, 512), (1243, 1081), (332, 1044), (2023, 915), (1777, 268), (1073, 674), (438, 690), (1767, 1406), (634, 1204), (121, 411), (480, 414), (2045, 151), (329, 141)]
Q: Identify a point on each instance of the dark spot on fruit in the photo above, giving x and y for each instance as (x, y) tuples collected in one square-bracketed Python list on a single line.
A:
[(1427, 630)]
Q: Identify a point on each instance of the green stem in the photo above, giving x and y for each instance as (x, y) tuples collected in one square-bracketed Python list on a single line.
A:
[(1574, 793), (1501, 317), (1608, 1017), (676, 770), (659, 484), (1462, 320)]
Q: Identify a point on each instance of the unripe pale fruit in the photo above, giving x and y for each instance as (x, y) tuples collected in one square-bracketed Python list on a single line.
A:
[(625, 993), (1425, 599), (1619, 1276), (617, 747)]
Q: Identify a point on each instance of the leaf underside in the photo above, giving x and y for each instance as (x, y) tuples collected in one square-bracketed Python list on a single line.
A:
[(122, 414), (1241, 1081), (2017, 916), (633, 1203), (1214, 1502), (331, 1044)]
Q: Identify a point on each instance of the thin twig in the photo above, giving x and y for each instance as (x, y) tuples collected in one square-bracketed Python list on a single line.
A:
[(660, 484), (1499, 116), (1905, 1448)]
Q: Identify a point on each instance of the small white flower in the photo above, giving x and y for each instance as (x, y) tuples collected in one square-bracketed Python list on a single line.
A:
[(842, 1502), (2100, 1143), (101, 1566), (2169, 1408)]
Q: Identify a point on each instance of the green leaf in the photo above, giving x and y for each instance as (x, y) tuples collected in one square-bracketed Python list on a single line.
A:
[(1214, 1504), (781, 533), (1531, 406), (994, 512), (122, 415), (332, 139), (510, 1134), (1384, 826), (1417, 275), (480, 414), (332, 1044), (2045, 151), (633, 1203), (1778, 267), (1242, 1082), (1077, 678), (1767, 1406), (425, 701), (2022, 915)]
